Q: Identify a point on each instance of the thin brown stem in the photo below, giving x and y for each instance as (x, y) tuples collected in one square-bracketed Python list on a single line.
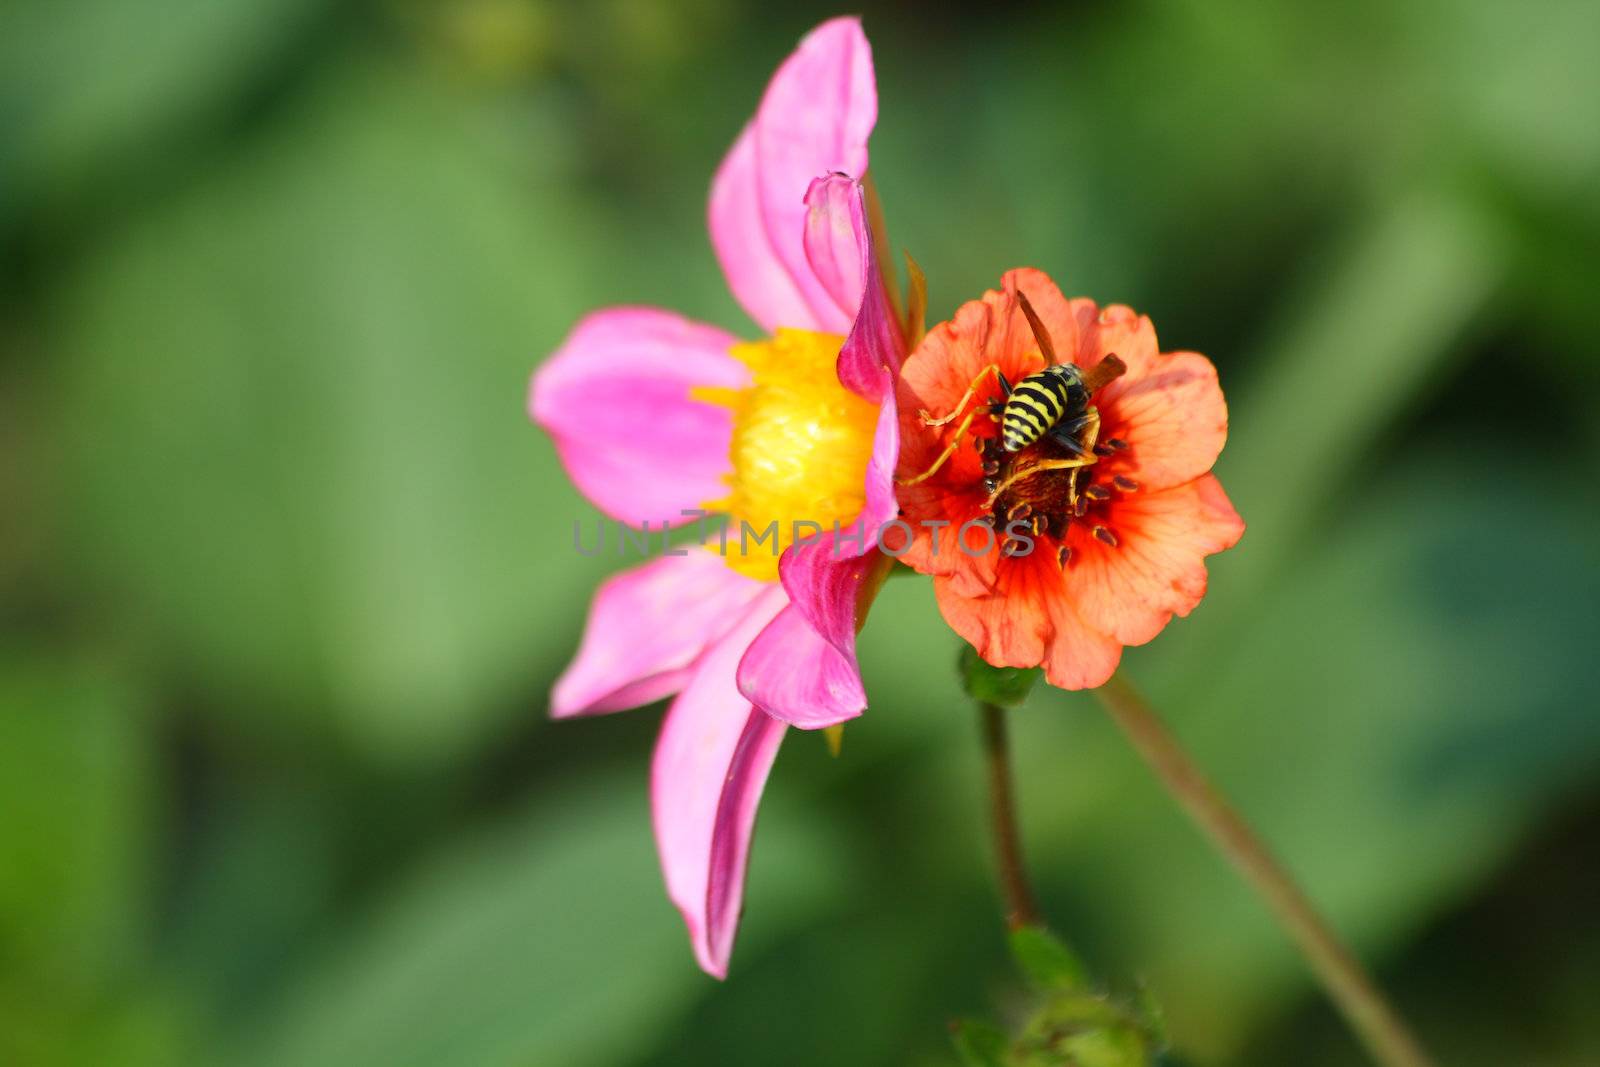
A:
[(1021, 910), (1347, 983)]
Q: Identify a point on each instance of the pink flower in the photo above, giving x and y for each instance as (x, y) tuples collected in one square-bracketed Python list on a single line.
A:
[(655, 416)]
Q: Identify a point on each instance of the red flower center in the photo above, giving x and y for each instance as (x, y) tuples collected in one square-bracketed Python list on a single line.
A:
[(1049, 485)]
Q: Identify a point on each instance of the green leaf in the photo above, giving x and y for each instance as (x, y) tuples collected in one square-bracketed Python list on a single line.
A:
[(547, 939), (85, 106), (1005, 687), (238, 917), (1352, 351), (980, 1044), (79, 834), (352, 514), (77, 819), (1047, 961), (1405, 666)]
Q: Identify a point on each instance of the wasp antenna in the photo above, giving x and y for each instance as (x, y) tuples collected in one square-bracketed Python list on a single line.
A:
[(1040, 334), (1106, 371)]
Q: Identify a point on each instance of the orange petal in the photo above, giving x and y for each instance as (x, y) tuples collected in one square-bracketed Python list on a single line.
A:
[(1169, 407), (1173, 418), (1025, 619), (1080, 657), (1008, 624), (1157, 569), (1055, 311), (1113, 328), (988, 332)]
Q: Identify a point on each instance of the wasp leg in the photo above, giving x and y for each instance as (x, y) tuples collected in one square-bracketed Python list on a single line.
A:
[(1066, 435), (944, 457), (998, 407), (929, 420), (1029, 471), (1079, 435)]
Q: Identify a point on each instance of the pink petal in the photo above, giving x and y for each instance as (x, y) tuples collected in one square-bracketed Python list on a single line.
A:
[(839, 240), (881, 505), (796, 675), (746, 777), (840, 249), (816, 117), (803, 667), (835, 239), (756, 276), (711, 762), (615, 396), (646, 628)]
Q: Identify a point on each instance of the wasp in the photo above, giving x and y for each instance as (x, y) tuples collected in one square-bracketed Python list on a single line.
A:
[(1049, 405)]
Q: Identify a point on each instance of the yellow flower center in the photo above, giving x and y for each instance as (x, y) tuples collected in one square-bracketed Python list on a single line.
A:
[(801, 442)]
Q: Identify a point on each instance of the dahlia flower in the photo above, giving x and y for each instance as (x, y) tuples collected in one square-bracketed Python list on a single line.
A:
[(659, 420)]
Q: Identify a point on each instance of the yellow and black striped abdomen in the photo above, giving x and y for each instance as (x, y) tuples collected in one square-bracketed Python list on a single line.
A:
[(1037, 404)]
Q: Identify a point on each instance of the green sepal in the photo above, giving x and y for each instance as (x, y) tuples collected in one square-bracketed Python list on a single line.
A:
[(916, 303), (1050, 966), (1082, 1030), (1004, 687), (980, 1044), (1147, 1009)]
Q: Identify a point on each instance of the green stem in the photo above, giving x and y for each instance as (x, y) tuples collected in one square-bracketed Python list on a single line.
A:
[(1349, 986), (1021, 909)]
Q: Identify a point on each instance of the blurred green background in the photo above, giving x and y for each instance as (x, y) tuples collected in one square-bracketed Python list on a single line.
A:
[(286, 573)]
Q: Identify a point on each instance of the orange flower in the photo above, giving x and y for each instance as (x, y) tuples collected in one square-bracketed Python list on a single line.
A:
[(1035, 562)]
